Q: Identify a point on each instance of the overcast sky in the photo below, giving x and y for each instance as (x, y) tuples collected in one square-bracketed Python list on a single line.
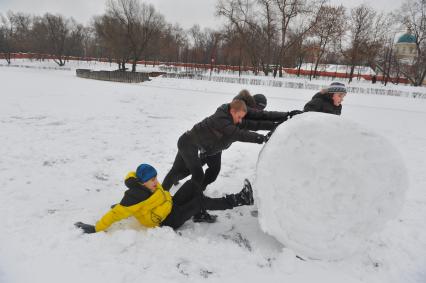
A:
[(185, 12)]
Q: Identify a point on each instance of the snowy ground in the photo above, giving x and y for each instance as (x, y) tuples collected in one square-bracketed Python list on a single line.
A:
[(67, 144)]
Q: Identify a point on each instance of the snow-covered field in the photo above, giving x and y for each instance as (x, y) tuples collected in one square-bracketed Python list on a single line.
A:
[(67, 144)]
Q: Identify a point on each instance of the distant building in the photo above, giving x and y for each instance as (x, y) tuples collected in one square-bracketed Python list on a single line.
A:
[(406, 47)]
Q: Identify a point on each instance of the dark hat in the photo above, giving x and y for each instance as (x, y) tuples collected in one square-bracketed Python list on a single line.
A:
[(260, 100), (336, 87), (145, 172)]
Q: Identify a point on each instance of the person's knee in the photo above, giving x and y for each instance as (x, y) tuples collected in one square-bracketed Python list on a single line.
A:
[(197, 184)]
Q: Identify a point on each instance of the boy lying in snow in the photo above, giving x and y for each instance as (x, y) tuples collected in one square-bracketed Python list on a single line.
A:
[(153, 206)]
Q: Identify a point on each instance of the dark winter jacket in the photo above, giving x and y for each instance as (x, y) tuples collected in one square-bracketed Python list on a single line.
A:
[(323, 102), (276, 116), (218, 131)]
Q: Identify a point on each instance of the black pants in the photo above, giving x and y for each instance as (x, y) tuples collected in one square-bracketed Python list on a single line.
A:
[(187, 162), (191, 202), (213, 162)]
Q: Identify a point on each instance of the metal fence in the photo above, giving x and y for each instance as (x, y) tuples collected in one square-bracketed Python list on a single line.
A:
[(296, 85), (36, 67)]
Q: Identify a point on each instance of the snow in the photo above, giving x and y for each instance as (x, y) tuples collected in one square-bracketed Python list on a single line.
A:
[(325, 183), (67, 144)]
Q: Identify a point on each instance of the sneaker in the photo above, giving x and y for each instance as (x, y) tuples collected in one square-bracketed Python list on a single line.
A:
[(246, 194), (204, 216)]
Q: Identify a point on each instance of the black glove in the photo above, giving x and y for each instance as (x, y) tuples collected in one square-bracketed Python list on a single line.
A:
[(294, 113), (274, 116), (88, 229), (268, 136), (260, 139)]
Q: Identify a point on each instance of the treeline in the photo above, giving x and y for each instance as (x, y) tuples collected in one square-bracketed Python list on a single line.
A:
[(266, 35)]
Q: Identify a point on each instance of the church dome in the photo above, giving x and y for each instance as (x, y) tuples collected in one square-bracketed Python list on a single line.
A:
[(407, 38)]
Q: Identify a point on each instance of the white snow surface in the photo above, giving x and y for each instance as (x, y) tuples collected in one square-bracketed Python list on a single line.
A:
[(325, 184), (67, 144)]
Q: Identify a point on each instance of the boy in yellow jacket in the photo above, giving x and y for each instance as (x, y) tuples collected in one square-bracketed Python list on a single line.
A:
[(153, 206)]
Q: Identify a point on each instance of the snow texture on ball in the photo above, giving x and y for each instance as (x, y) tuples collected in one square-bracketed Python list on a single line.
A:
[(324, 184)]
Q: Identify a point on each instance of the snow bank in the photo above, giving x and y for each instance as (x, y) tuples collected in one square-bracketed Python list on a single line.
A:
[(324, 184)]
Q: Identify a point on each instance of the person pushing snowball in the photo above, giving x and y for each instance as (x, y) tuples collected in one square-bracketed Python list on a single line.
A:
[(328, 100)]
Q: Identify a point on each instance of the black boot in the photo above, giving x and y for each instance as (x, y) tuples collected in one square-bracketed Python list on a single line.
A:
[(244, 197), (204, 216)]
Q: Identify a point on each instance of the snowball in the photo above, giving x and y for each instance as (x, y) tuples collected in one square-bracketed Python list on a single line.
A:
[(324, 184)]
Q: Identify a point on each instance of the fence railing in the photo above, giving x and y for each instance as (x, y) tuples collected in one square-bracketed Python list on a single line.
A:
[(113, 76), (295, 85), (35, 67)]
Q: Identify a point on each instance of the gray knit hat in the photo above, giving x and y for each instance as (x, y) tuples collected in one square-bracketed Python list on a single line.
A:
[(336, 87)]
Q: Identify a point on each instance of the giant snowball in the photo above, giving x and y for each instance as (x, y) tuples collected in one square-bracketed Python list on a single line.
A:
[(324, 184)]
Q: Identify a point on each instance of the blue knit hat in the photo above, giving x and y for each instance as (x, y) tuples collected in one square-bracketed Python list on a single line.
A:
[(336, 87), (145, 172)]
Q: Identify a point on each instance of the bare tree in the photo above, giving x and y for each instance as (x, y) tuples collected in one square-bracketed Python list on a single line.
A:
[(414, 18), (361, 23), (7, 42), (141, 23), (330, 27), (269, 33), (241, 17), (296, 19), (198, 39), (387, 59), (232, 47), (112, 37), (57, 36), (171, 44)]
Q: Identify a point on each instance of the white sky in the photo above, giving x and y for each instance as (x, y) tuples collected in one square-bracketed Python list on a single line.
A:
[(185, 12)]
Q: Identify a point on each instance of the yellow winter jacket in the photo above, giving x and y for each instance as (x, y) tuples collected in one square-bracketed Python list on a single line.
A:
[(149, 208)]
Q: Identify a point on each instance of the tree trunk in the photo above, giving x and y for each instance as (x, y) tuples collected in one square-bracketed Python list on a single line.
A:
[(317, 63), (351, 73), (7, 57)]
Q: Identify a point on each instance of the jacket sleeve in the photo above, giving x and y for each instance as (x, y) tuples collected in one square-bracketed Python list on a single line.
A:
[(266, 115), (254, 125), (238, 134), (117, 213)]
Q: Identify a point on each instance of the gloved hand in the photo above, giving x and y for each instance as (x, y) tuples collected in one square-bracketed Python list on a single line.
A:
[(260, 139), (294, 113), (87, 228), (268, 136)]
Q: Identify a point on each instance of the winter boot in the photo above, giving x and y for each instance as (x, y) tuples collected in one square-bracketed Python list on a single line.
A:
[(204, 216), (244, 197)]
